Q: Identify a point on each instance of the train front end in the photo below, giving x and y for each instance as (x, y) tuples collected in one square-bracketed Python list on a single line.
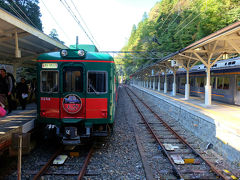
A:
[(76, 94)]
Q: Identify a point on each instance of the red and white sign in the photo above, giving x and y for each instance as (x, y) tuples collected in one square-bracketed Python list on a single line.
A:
[(72, 103)]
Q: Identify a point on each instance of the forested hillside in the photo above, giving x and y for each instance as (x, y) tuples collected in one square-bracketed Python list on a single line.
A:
[(174, 24)]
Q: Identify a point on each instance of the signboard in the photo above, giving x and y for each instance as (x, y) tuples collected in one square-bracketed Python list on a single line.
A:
[(72, 103), (49, 65)]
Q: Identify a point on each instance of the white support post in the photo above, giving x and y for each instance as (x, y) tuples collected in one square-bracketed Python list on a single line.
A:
[(150, 84), (208, 88), (17, 50), (159, 82), (174, 84), (165, 83), (187, 86), (147, 83), (154, 83)]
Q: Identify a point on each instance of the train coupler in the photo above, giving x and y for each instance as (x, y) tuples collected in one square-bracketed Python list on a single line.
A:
[(71, 136)]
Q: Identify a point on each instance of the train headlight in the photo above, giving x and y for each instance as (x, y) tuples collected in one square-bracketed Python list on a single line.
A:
[(81, 52), (64, 52)]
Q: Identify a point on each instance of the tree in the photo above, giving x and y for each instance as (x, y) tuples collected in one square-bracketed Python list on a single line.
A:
[(174, 24), (25, 10), (53, 34)]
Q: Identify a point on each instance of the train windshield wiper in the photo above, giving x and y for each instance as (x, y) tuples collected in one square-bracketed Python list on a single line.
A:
[(94, 90)]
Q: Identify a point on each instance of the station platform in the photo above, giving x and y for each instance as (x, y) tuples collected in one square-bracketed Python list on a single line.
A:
[(18, 121), (218, 123)]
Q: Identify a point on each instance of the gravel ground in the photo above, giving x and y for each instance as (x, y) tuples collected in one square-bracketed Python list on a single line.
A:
[(211, 155), (118, 157)]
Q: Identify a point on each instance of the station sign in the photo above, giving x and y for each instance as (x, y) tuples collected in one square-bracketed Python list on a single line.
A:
[(49, 65)]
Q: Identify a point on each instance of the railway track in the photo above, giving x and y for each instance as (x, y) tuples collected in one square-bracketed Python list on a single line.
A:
[(73, 168), (185, 162)]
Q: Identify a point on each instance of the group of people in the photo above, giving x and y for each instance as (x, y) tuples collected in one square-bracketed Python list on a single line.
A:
[(8, 92)]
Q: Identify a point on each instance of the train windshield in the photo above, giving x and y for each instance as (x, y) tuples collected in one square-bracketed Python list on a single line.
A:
[(49, 81), (73, 79), (97, 82)]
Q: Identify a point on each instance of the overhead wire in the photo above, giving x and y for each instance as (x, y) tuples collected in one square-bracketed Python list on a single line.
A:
[(15, 11), (167, 17), (55, 21), (24, 14), (76, 19), (84, 22), (191, 20)]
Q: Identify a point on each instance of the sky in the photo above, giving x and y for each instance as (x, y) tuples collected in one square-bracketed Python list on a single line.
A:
[(109, 21)]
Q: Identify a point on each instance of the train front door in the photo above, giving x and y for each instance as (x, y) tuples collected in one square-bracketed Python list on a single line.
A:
[(237, 99), (73, 93)]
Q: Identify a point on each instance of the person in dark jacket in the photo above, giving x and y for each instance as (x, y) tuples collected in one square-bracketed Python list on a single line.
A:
[(3, 87), (22, 92), (8, 80)]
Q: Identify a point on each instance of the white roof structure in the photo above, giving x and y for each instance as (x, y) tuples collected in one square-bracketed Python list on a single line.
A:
[(22, 43)]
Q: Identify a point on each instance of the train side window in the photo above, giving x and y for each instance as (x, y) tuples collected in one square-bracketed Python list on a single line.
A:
[(182, 81), (238, 83), (97, 82), (213, 82), (191, 79), (49, 81), (223, 82), (200, 82)]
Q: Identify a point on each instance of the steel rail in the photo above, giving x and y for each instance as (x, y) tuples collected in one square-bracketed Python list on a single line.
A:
[(86, 161), (218, 173), (45, 167), (175, 170)]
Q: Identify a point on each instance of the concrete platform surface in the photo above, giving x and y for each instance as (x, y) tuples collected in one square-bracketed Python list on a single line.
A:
[(18, 121)]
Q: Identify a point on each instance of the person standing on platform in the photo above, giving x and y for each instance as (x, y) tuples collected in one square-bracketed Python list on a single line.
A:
[(5, 89), (22, 93)]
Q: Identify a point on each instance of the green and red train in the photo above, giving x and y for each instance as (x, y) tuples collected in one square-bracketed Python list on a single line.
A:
[(77, 92)]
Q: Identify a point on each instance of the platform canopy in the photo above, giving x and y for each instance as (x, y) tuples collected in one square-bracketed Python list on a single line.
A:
[(222, 44), (210, 49), (21, 43)]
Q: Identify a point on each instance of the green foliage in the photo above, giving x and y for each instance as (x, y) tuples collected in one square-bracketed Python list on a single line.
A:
[(174, 24), (53, 34), (23, 8)]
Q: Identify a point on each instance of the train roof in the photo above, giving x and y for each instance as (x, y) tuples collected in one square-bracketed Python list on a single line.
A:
[(91, 53), (88, 56), (86, 47)]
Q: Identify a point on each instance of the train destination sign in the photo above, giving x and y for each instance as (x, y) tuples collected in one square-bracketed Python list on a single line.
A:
[(72, 103), (49, 65)]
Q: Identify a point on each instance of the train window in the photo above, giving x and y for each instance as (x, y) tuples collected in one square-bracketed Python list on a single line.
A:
[(238, 83), (182, 81), (223, 82), (213, 82), (72, 80), (191, 81), (49, 81), (200, 82), (97, 82)]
